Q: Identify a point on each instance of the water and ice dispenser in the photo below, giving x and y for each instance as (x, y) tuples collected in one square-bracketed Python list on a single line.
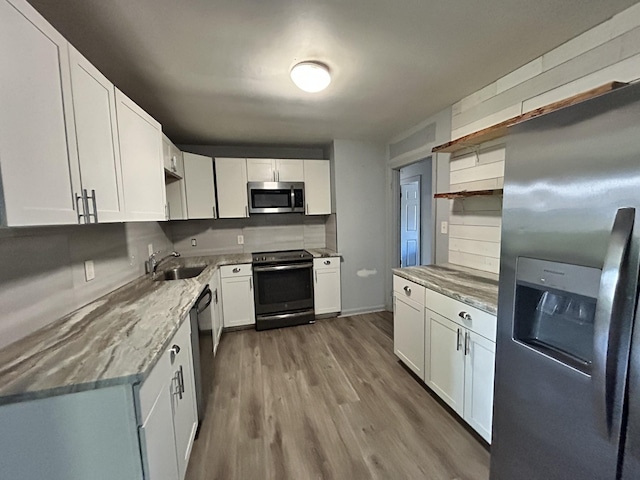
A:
[(555, 306)]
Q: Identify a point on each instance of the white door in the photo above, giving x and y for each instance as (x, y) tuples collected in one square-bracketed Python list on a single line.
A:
[(408, 334), (185, 415), (326, 291), (142, 161), (478, 388), (199, 185), (158, 437), (97, 139), (231, 185), (317, 187), (261, 170), (289, 170), (38, 162), (410, 222), (446, 372), (237, 301)]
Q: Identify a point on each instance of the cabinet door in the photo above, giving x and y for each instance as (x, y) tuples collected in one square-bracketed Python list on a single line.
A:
[(478, 387), (97, 138), (185, 415), (289, 170), (317, 187), (326, 291), (38, 159), (231, 185), (408, 334), (216, 311), (446, 373), (158, 438), (201, 194), (237, 301), (142, 164), (261, 170)]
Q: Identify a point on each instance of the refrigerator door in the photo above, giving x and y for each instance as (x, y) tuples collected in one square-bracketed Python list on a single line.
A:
[(561, 354), (631, 465)]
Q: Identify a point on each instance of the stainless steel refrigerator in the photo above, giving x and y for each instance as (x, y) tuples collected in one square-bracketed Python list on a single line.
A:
[(567, 385)]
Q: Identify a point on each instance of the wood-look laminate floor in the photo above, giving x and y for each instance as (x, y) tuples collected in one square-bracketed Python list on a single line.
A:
[(326, 401)]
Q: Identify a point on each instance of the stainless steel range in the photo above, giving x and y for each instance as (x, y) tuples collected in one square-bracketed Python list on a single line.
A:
[(283, 288)]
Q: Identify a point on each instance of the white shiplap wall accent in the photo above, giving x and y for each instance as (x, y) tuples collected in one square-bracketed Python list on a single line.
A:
[(608, 52)]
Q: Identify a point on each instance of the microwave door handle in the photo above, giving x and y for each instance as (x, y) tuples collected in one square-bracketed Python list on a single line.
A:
[(610, 326), (293, 199)]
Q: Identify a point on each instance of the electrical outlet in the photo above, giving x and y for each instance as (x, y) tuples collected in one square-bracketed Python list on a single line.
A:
[(444, 227), (240, 239), (194, 242), (150, 249), (89, 270)]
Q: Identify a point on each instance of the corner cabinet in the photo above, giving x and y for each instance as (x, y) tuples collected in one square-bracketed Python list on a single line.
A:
[(238, 307), (231, 186), (326, 289), (38, 160), (133, 432), (317, 187), (142, 163), (408, 324)]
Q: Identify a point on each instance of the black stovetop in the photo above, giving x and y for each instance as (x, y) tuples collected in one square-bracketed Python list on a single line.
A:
[(283, 256)]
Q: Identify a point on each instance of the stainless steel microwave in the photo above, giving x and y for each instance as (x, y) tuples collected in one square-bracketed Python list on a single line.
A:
[(275, 197)]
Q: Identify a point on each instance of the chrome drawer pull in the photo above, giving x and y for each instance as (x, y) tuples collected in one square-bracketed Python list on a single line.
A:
[(175, 350), (236, 270), (465, 316), (407, 290), (458, 343), (327, 262)]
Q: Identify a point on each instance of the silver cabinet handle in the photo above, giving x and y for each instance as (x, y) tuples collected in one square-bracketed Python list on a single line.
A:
[(306, 209), (327, 262), (236, 270), (95, 208), (316, 273), (215, 296), (246, 211), (458, 343), (175, 350), (407, 290), (466, 342), (465, 316), (81, 216), (250, 283), (214, 212)]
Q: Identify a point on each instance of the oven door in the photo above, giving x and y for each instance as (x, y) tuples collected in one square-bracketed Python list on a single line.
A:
[(283, 288)]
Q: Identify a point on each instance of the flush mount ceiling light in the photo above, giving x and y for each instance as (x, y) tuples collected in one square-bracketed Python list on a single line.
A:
[(311, 77)]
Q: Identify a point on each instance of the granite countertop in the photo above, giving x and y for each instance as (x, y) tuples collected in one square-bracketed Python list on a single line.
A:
[(473, 287), (114, 340), (322, 252)]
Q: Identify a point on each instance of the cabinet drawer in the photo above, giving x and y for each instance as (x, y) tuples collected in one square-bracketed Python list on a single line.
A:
[(407, 289), (476, 320), (242, 270), (326, 262)]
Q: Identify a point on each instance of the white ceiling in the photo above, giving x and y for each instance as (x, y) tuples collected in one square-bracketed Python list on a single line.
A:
[(217, 71)]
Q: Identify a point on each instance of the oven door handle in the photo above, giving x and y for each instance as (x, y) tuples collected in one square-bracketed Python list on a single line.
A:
[(280, 268)]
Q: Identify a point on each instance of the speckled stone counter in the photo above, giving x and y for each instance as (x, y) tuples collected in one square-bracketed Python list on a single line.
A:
[(473, 287), (322, 252), (114, 340)]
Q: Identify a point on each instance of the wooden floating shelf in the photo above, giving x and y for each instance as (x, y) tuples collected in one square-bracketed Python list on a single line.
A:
[(469, 193), (500, 130)]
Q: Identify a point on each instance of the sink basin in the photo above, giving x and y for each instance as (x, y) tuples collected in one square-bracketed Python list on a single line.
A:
[(180, 273)]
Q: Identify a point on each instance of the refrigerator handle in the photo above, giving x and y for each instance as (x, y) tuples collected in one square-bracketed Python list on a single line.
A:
[(609, 325)]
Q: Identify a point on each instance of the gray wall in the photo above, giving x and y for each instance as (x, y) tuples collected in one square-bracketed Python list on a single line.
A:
[(309, 153), (42, 276), (424, 169), (360, 222)]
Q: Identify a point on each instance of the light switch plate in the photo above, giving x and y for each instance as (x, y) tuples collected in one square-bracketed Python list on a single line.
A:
[(89, 270), (150, 249), (240, 239), (444, 227), (194, 242)]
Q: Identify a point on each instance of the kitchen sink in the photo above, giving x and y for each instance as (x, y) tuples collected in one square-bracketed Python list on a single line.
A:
[(180, 273)]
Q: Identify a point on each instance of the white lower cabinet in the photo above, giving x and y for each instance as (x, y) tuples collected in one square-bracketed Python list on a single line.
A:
[(408, 324), (237, 295), (216, 310), (326, 290), (478, 384)]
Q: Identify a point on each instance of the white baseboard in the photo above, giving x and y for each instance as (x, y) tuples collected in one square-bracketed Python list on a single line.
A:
[(361, 311)]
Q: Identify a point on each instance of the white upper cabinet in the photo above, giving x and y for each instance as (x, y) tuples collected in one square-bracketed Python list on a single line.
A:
[(97, 140), (172, 158), (142, 163), (231, 185), (274, 170), (173, 180), (317, 187), (199, 185), (38, 161)]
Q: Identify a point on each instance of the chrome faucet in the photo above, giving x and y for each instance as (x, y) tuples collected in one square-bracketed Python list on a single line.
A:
[(153, 262)]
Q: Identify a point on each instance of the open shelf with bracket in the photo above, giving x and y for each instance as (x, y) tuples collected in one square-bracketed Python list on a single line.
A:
[(473, 140), (469, 193)]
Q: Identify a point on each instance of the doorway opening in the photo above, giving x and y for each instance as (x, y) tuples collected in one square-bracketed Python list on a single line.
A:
[(416, 235)]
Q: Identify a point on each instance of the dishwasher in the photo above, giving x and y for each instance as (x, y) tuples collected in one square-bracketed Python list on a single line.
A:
[(200, 317)]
